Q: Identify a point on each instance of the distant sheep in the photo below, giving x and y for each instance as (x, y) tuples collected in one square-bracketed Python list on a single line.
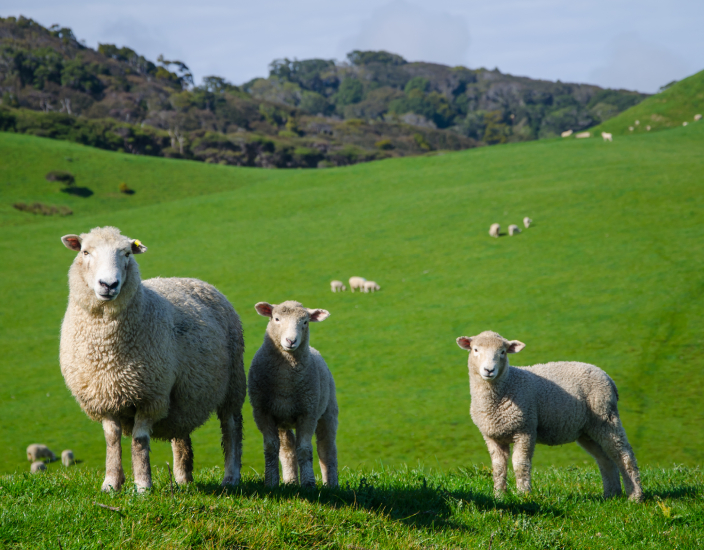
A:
[(337, 286), (513, 230), (582, 135), (371, 286), (67, 458), (527, 221), (630, 128), (357, 283), (494, 230), (566, 133), (637, 122), (551, 404), (648, 128), (37, 467), (684, 123), (697, 117), (37, 451), (607, 136)]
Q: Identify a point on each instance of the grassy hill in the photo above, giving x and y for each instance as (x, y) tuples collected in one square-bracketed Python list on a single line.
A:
[(667, 109), (611, 273)]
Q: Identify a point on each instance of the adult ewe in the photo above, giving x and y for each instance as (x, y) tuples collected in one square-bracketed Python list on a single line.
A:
[(513, 230), (337, 286), (494, 230), (37, 451), (152, 358), (357, 282), (371, 286), (290, 386), (552, 404)]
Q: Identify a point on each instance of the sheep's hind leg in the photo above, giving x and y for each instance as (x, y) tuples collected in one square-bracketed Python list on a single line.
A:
[(325, 435), (183, 459), (607, 467), (612, 439), (231, 441), (499, 464), (523, 447), (140, 453), (287, 456), (114, 474)]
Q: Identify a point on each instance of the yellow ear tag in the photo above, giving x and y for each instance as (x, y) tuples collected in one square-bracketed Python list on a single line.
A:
[(137, 242)]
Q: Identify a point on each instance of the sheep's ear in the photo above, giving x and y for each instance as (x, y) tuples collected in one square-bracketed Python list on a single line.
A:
[(72, 242), (264, 309), (514, 346), (138, 247), (318, 315), (465, 342)]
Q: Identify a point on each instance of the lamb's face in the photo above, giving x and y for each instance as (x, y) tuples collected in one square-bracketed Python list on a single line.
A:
[(104, 258), (488, 353), (288, 324)]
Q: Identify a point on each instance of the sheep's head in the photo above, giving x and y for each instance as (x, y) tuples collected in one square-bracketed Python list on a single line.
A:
[(104, 259), (288, 322), (488, 353)]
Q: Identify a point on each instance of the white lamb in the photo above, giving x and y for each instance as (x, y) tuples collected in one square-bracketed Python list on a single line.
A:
[(494, 230), (581, 135), (37, 467), (357, 282), (371, 286), (607, 136), (37, 451), (513, 230), (552, 404), (291, 387), (527, 221), (566, 133), (630, 128), (67, 458), (150, 359), (337, 286)]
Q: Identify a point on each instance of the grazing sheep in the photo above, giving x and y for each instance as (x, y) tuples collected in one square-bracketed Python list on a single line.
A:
[(637, 122), (630, 128), (684, 123), (37, 451), (607, 136), (67, 458), (647, 128), (551, 404), (37, 467), (290, 386), (150, 359), (527, 221), (697, 117), (494, 230), (566, 133), (357, 282), (582, 135), (337, 286), (371, 286), (513, 230)]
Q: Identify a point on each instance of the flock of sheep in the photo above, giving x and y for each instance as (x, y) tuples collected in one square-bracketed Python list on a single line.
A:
[(359, 283), (39, 454), (607, 136), (495, 229), (155, 358)]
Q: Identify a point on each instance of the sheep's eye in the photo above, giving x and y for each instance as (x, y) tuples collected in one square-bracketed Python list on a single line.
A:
[(276, 319), (305, 322), (85, 253), (127, 255)]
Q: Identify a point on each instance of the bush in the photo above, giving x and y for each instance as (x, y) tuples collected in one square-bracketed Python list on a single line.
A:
[(384, 144), (64, 177), (43, 209), (421, 142)]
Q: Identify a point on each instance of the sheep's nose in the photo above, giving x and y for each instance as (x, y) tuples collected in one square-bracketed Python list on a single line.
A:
[(291, 342), (107, 286)]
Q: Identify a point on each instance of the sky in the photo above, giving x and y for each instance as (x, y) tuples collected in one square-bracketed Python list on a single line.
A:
[(632, 44)]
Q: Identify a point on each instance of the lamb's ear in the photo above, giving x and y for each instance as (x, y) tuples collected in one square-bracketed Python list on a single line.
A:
[(465, 342), (514, 346), (138, 247), (264, 309), (317, 315), (72, 242)]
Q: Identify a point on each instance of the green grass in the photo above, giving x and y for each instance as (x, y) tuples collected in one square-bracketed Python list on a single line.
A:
[(667, 109), (381, 508), (611, 273)]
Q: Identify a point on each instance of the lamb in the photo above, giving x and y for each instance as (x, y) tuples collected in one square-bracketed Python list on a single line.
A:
[(290, 386), (647, 128), (630, 128), (527, 221), (513, 230), (150, 358), (494, 230), (566, 133), (607, 136), (337, 286), (37, 451), (551, 404), (67, 458), (581, 135), (357, 282), (37, 467), (684, 123), (371, 286), (697, 117)]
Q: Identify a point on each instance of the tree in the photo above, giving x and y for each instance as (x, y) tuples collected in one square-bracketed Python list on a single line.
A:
[(351, 91)]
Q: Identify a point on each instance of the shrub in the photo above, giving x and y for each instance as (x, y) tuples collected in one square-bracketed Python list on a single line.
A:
[(384, 144), (64, 177), (43, 209), (421, 142)]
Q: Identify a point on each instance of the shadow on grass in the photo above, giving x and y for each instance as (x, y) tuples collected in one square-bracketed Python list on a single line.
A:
[(78, 191)]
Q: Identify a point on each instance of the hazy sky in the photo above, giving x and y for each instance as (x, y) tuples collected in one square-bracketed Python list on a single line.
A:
[(634, 44)]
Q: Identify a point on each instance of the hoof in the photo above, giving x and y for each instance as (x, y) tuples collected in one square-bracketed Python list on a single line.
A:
[(230, 480)]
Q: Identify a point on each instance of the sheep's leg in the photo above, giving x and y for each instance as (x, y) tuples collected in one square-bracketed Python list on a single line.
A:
[(499, 463), (305, 428), (231, 440), (612, 439), (114, 474), (270, 431), (523, 447), (325, 435), (287, 456), (607, 467), (183, 459), (140, 453)]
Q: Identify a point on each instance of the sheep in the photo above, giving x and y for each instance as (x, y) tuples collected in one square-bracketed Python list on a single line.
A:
[(494, 230), (684, 123), (371, 286), (607, 136), (513, 230), (290, 386), (337, 286), (551, 404), (566, 133), (648, 128), (527, 221), (582, 135), (67, 458), (37, 451), (357, 282), (630, 128), (697, 117), (37, 467), (637, 122), (149, 358)]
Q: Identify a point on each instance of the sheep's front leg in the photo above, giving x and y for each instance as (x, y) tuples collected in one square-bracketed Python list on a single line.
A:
[(183, 460), (287, 456), (499, 464), (523, 447), (140, 453), (305, 429), (114, 474), (270, 431)]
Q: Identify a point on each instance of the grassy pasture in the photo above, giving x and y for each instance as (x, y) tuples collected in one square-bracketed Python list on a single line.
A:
[(610, 273)]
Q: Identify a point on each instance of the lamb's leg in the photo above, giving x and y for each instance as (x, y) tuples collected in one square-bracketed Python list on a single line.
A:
[(499, 463), (523, 447), (612, 439), (325, 435), (270, 432), (141, 466), (114, 474), (287, 456), (607, 467), (231, 440), (183, 459), (305, 428)]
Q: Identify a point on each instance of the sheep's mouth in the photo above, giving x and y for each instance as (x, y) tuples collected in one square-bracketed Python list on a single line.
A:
[(107, 297)]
